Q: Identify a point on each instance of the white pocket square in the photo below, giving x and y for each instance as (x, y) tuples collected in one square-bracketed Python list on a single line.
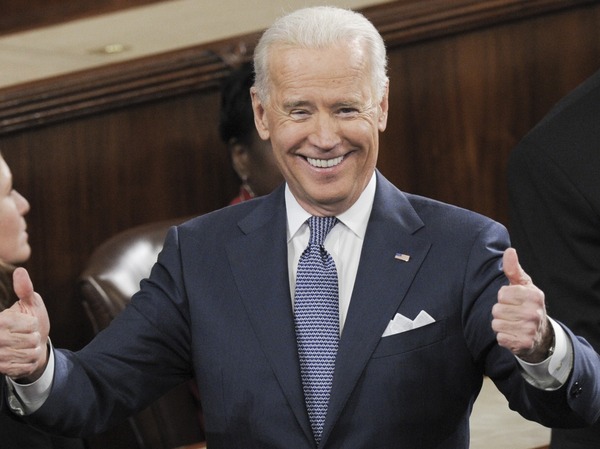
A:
[(402, 324)]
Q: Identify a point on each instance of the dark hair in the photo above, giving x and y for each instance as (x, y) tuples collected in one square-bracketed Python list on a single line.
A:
[(236, 117)]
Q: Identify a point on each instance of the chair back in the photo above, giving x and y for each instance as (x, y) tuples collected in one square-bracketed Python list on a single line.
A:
[(111, 277)]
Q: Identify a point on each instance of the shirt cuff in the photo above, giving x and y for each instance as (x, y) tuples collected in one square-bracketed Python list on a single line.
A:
[(552, 373), (24, 399)]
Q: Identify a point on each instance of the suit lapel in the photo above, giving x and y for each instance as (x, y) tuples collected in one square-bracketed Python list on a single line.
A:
[(259, 264), (381, 285)]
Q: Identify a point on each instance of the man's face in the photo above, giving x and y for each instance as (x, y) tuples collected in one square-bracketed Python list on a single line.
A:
[(323, 120)]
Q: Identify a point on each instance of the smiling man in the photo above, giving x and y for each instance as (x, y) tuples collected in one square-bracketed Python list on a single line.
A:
[(324, 114), (336, 312)]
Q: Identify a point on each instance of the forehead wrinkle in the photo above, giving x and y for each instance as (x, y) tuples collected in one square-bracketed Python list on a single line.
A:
[(290, 61), (340, 91), (298, 82)]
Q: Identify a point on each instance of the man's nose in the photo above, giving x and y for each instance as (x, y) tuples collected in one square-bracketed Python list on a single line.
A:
[(326, 132)]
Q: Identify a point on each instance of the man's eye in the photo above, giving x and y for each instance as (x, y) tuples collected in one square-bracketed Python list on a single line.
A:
[(299, 113), (348, 111)]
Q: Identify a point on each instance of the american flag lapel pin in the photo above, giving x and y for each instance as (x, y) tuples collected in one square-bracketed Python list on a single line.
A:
[(402, 257)]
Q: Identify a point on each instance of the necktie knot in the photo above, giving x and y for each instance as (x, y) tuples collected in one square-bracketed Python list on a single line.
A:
[(319, 228)]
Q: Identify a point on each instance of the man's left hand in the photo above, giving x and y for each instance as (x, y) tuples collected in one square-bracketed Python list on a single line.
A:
[(519, 316)]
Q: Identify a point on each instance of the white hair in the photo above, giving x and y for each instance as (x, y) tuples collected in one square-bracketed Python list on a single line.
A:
[(321, 27)]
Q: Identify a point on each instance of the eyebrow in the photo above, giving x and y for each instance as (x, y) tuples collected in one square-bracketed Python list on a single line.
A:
[(336, 105), (347, 104), (296, 104)]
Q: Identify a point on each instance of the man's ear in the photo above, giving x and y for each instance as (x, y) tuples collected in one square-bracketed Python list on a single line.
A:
[(239, 157), (383, 109), (260, 116)]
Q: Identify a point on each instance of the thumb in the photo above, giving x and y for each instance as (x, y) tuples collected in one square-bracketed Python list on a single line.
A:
[(512, 269), (31, 304), (29, 300)]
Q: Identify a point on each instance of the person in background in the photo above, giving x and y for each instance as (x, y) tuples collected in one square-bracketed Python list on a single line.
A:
[(251, 157), (554, 193), (335, 312), (15, 249)]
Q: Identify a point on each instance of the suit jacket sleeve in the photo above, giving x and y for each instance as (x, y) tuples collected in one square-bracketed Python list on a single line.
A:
[(139, 357)]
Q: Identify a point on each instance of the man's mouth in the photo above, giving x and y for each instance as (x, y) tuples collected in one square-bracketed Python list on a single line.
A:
[(325, 163)]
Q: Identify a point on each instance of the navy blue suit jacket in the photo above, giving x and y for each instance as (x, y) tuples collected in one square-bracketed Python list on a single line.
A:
[(217, 305)]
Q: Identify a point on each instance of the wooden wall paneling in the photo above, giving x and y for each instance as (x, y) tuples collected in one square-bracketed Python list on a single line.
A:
[(103, 150), (114, 86), (460, 102), (406, 21), (90, 178), (106, 149)]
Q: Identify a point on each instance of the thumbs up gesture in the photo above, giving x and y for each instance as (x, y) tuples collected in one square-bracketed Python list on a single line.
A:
[(24, 330), (519, 316)]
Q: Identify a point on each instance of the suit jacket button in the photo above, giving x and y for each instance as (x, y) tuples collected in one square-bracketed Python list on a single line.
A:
[(576, 390)]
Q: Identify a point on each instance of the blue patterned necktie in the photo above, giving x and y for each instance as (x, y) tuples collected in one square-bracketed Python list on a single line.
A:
[(316, 312)]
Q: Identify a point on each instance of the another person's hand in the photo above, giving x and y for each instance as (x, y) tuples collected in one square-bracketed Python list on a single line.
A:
[(24, 330), (519, 316)]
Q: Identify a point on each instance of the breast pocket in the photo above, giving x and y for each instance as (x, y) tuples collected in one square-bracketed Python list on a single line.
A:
[(411, 340)]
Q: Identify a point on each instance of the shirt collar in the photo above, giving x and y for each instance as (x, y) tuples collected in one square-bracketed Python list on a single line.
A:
[(356, 218)]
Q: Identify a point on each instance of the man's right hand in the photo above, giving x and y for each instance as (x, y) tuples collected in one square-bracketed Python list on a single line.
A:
[(24, 330)]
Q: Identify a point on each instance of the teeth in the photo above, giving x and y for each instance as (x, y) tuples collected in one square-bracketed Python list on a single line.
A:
[(324, 163)]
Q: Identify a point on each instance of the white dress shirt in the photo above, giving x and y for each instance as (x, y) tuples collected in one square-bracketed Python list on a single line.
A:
[(344, 242)]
